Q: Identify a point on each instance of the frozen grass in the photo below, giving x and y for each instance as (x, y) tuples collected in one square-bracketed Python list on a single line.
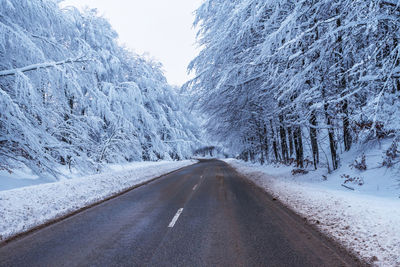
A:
[(25, 208), (366, 220)]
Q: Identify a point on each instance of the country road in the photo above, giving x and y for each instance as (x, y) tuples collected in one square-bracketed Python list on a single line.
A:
[(202, 215)]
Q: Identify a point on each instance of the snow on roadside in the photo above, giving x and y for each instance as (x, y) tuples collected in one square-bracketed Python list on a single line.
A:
[(25, 208), (20, 176), (366, 224)]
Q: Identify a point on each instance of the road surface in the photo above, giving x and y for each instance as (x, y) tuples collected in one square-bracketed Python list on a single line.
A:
[(202, 215)]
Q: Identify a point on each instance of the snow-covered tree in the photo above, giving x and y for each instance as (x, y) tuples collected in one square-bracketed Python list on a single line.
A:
[(297, 78), (71, 95)]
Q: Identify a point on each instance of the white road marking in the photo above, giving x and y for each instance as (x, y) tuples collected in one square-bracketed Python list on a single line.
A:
[(172, 223), (194, 188)]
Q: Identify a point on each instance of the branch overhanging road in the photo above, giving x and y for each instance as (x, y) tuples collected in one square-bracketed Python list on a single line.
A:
[(202, 215)]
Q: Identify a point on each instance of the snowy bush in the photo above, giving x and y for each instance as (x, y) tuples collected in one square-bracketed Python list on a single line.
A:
[(360, 164), (391, 155)]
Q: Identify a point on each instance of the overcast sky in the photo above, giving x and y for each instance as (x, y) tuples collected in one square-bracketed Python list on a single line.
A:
[(163, 28)]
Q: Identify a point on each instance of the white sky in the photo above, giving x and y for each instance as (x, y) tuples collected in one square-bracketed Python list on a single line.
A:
[(162, 28)]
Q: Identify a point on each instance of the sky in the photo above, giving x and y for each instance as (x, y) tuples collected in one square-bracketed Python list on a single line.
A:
[(161, 28)]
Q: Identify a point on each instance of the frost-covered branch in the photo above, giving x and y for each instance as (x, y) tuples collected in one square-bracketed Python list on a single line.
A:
[(42, 66)]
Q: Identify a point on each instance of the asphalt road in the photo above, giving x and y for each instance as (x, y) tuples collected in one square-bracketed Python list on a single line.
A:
[(223, 220)]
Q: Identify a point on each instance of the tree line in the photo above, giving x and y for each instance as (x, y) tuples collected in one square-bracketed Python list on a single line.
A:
[(298, 81), (71, 96)]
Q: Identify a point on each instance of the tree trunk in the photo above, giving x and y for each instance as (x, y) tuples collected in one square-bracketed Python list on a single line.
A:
[(290, 136), (261, 143), (314, 140), (332, 141), (331, 134), (347, 139), (284, 147), (298, 143), (274, 143), (266, 144)]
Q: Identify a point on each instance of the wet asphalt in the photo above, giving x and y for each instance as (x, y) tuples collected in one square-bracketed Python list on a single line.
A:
[(226, 221)]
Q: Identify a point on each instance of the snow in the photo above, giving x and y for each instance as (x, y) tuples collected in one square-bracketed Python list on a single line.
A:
[(19, 178), (24, 208), (366, 221)]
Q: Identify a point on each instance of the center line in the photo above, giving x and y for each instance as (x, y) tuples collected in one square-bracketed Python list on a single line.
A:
[(172, 223), (194, 188)]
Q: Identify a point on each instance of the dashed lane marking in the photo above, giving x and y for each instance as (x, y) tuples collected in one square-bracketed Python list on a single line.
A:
[(178, 213)]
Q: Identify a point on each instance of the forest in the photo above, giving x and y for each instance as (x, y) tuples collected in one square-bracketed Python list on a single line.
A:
[(71, 96), (299, 82), (291, 82)]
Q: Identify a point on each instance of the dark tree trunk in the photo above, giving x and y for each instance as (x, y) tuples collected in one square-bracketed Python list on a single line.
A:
[(284, 147), (246, 156), (266, 144), (331, 134), (71, 104), (261, 143), (290, 136), (251, 153), (332, 141), (314, 139), (298, 143), (251, 149), (274, 143), (347, 139), (397, 62), (398, 84)]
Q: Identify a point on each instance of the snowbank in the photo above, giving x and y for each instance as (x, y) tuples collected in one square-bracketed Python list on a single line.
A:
[(365, 221), (25, 208), (20, 177)]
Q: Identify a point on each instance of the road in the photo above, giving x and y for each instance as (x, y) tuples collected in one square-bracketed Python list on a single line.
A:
[(202, 215)]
